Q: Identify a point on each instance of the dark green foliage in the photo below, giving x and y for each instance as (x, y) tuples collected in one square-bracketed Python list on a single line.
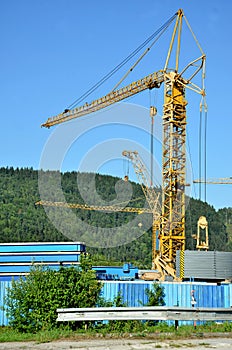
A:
[(138, 252), (226, 217), (155, 298), (218, 237), (155, 295), (22, 221), (121, 326), (117, 301), (32, 301)]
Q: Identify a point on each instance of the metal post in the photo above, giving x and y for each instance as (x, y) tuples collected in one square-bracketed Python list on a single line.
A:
[(193, 303)]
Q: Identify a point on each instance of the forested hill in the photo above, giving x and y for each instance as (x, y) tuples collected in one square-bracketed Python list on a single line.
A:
[(22, 221)]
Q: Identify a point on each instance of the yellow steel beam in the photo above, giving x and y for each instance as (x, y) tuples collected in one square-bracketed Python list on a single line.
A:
[(93, 207), (223, 181), (149, 82)]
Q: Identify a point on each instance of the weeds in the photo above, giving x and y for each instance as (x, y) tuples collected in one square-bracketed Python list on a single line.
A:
[(134, 329)]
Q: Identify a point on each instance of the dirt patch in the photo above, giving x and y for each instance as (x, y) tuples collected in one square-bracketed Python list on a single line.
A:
[(124, 344)]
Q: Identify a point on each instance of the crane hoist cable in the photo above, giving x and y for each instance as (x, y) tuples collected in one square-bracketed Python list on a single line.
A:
[(205, 154), (203, 148), (126, 169), (126, 60), (139, 59)]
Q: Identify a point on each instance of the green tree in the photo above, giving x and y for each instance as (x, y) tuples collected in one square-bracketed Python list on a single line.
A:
[(122, 326), (32, 301), (155, 295)]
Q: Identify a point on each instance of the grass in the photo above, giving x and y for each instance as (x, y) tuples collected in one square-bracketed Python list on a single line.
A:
[(7, 334), (161, 332)]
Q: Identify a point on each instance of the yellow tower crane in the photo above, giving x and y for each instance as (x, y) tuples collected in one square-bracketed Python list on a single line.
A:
[(172, 227)]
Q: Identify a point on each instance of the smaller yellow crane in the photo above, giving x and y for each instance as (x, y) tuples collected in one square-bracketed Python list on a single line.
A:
[(151, 194)]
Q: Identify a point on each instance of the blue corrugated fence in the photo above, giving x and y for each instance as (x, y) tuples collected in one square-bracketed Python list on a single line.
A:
[(133, 293)]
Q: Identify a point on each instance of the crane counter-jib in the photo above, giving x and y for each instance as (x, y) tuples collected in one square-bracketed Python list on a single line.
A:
[(151, 81)]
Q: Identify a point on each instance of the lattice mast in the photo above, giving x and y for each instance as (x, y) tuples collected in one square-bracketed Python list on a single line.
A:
[(172, 235)]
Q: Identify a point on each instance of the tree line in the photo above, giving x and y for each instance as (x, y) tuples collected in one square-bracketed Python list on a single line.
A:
[(22, 221)]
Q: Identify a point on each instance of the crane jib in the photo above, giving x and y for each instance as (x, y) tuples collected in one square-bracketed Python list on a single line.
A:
[(151, 81)]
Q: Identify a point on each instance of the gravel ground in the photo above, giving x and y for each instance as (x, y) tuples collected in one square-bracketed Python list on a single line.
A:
[(124, 344)]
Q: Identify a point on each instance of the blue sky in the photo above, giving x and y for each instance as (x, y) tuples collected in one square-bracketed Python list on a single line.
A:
[(52, 51)]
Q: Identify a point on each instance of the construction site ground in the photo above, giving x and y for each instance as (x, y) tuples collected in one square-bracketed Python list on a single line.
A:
[(218, 342)]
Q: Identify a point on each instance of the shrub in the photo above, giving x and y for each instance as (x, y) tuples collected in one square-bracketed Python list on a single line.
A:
[(155, 295), (155, 298), (32, 301)]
